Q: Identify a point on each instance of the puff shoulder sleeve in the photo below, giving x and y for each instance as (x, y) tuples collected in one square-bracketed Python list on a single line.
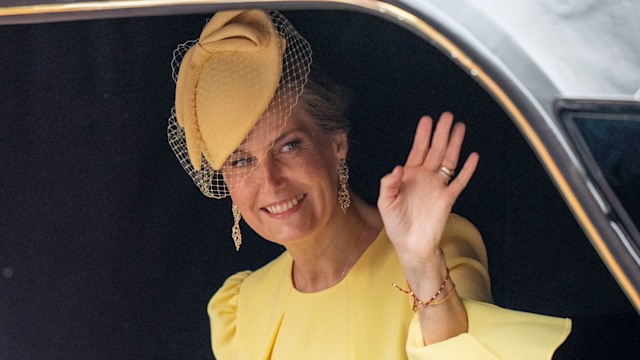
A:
[(466, 258), (222, 310)]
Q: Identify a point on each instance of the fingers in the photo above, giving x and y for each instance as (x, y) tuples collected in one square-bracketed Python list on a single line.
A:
[(441, 149), (420, 142), (450, 159), (390, 187), (460, 182), (439, 143)]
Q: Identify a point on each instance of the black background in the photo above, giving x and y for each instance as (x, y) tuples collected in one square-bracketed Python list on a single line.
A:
[(109, 251)]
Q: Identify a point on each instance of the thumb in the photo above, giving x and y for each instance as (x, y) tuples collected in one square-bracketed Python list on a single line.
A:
[(390, 187)]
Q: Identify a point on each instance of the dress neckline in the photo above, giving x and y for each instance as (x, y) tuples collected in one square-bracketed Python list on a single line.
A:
[(354, 269)]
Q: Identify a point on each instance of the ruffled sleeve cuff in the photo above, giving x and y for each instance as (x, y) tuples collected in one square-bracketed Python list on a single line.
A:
[(222, 310), (494, 333)]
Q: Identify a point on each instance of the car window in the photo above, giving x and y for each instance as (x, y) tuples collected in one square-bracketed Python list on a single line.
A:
[(614, 145), (607, 136)]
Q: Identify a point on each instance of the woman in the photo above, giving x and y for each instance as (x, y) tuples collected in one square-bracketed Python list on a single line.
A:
[(252, 124)]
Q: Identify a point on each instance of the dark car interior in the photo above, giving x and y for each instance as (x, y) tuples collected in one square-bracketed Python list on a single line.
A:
[(109, 251)]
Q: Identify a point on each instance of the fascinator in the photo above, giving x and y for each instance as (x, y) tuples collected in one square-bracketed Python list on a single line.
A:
[(246, 66)]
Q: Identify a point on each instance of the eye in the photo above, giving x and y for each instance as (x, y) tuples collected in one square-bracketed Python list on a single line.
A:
[(240, 162), (291, 145)]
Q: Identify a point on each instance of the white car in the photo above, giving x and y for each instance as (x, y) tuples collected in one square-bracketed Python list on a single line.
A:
[(107, 251)]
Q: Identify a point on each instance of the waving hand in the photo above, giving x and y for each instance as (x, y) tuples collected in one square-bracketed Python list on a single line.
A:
[(416, 199)]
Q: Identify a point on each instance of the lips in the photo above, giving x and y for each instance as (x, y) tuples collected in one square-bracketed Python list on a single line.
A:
[(284, 206)]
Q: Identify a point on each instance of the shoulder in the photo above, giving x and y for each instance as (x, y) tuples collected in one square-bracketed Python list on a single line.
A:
[(466, 258), (462, 238), (268, 275), (251, 281), (459, 228), (237, 310)]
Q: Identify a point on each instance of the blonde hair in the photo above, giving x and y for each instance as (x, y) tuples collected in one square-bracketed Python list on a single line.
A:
[(326, 102)]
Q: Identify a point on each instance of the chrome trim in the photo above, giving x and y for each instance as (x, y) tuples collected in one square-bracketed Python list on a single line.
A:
[(625, 242), (598, 197)]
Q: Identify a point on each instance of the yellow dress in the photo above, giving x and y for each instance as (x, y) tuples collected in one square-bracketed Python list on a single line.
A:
[(260, 315)]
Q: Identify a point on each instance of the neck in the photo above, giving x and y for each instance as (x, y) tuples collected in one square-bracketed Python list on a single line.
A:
[(324, 260)]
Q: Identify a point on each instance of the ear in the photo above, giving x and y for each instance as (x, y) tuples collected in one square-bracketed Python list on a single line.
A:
[(340, 144)]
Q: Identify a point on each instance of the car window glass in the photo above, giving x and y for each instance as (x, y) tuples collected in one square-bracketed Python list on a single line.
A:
[(606, 134), (614, 145)]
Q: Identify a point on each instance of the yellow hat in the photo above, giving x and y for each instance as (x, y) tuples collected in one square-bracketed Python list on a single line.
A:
[(247, 65), (226, 82)]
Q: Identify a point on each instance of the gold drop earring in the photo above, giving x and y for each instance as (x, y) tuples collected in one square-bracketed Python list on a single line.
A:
[(343, 193), (235, 230)]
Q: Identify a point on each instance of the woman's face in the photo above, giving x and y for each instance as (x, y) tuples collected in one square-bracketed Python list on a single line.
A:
[(291, 193)]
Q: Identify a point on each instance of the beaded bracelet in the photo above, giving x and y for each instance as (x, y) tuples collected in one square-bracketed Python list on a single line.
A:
[(417, 303), (446, 297)]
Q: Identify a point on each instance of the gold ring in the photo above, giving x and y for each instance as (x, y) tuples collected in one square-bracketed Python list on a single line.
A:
[(446, 171)]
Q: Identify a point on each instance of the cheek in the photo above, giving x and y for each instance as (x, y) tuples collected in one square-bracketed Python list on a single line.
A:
[(234, 179), (241, 199), (325, 177), (244, 205), (315, 164)]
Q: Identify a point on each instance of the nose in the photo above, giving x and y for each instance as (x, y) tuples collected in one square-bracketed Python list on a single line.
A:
[(270, 172)]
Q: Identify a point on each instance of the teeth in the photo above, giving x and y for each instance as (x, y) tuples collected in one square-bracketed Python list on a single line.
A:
[(285, 206)]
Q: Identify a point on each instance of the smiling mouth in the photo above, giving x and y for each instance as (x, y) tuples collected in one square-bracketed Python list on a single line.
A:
[(284, 206)]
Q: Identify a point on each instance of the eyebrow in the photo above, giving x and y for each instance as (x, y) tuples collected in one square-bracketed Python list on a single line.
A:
[(285, 134), (239, 150)]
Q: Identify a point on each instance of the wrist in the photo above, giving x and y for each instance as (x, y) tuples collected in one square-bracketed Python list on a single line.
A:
[(425, 275), (425, 264), (420, 302)]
